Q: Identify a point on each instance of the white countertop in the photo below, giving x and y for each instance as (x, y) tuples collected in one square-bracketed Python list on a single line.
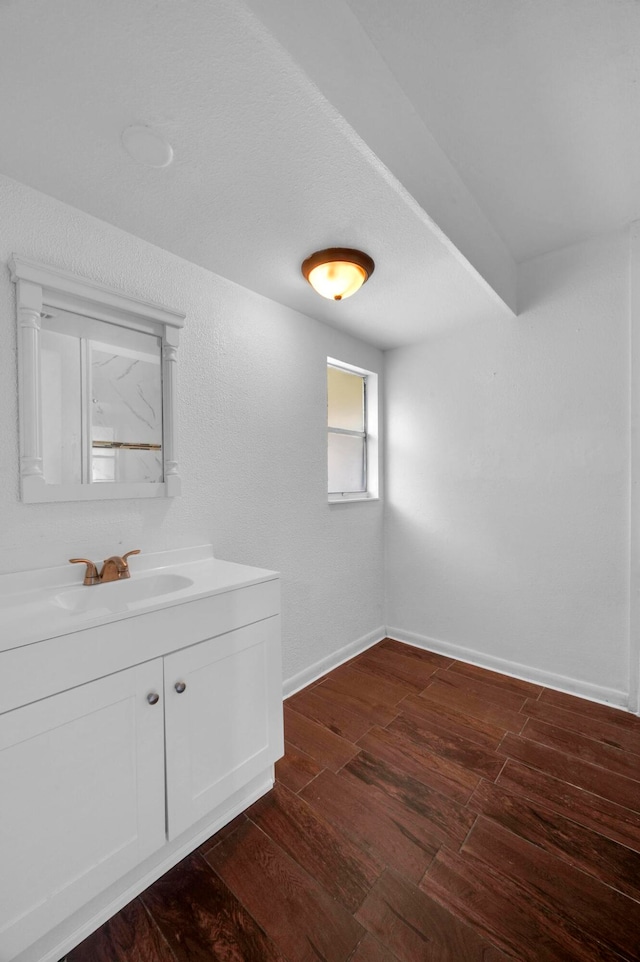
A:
[(34, 605)]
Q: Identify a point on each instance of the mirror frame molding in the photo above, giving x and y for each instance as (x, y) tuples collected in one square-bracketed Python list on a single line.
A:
[(38, 287)]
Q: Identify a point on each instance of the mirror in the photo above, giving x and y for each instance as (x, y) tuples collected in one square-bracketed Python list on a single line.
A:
[(101, 402), (97, 389)]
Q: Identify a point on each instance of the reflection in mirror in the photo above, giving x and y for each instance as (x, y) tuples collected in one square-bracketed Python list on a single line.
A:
[(101, 402), (126, 414), (97, 378)]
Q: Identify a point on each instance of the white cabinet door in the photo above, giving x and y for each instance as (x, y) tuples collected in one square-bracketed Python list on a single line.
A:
[(81, 798), (225, 727)]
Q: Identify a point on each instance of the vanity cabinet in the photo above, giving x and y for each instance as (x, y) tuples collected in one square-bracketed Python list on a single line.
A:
[(107, 784), (81, 798), (223, 723)]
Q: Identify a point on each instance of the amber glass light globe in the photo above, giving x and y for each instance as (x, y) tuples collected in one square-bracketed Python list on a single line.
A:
[(337, 272)]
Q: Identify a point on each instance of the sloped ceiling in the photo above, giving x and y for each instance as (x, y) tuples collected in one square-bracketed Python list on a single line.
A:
[(448, 138)]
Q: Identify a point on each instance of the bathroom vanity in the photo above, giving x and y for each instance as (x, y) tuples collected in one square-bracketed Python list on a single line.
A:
[(136, 719)]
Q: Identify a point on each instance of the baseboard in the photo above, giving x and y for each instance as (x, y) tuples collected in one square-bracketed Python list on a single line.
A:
[(319, 668), (573, 686)]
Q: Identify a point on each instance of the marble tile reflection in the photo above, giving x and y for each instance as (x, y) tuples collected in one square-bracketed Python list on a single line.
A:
[(126, 408)]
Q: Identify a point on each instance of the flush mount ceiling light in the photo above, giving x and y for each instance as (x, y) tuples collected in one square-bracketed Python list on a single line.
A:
[(337, 272), (147, 146)]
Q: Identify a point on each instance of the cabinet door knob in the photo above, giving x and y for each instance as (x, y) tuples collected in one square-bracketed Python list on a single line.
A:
[(153, 697), (180, 687)]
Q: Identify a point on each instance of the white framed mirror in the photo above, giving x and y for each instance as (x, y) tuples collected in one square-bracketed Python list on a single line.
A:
[(97, 389)]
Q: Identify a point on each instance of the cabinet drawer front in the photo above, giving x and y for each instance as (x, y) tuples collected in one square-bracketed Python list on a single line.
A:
[(225, 726), (81, 800)]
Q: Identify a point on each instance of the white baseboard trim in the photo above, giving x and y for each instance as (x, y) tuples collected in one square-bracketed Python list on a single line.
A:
[(320, 668), (573, 686)]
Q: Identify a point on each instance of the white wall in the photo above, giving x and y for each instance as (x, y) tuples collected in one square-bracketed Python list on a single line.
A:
[(507, 485), (251, 428)]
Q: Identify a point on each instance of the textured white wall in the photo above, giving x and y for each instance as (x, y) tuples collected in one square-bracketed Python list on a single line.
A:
[(251, 429), (507, 484)]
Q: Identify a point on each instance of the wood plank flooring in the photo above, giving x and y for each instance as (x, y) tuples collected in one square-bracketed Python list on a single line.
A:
[(425, 810)]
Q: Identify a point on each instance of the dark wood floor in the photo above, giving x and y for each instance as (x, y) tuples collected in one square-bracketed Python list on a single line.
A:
[(425, 810)]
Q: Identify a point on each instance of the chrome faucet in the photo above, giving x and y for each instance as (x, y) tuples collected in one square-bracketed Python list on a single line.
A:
[(114, 568)]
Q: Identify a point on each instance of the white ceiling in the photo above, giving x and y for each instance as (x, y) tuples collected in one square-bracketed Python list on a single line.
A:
[(535, 102), (447, 138)]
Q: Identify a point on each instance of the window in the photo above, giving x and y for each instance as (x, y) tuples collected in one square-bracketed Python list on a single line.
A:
[(352, 409)]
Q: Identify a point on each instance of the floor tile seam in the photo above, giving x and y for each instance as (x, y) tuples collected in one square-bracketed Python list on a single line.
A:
[(357, 716), (504, 764), (409, 882), (467, 743), (581, 718), (574, 728), (378, 670), (351, 839), (483, 926), (353, 954), (268, 938), (532, 892), (370, 848), (441, 753), (546, 807), (305, 748), (529, 895), (379, 794), (369, 707), (204, 852), (621, 718), (365, 751), (310, 782), (534, 690), (473, 683), (584, 761), (295, 785), (386, 948), (309, 877), (438, 774), (471, 828), (386, 727), (403, 920), (387, 806), (432, 726), (154, 922), (474, 919), (464, 720), (555, 849), (501, 751), (354, 667), (595, 741), (442, 837), (494, 692), (414, 840), (527, 797), (329, 695), (476, 717)]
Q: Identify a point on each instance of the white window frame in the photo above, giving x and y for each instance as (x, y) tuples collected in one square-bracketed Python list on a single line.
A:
[(372, 492)]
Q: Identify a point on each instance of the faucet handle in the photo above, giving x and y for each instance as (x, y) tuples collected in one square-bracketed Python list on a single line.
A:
[(91, 576), (135, 551)]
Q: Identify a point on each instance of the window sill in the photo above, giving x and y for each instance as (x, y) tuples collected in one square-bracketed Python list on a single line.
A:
[(349, 499)]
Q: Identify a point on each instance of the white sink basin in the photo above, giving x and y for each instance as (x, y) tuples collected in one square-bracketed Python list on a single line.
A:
[(45, 603), (120, 595)]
